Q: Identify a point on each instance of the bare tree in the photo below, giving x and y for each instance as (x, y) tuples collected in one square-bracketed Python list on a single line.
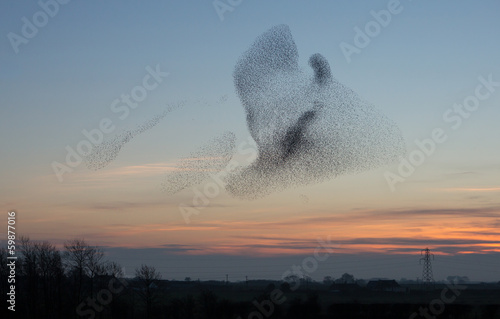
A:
[(114, 269), (95, 265), (28, 269), (83, 261), (147, 276), (42, 267), (75, 257), (50, 272), (108, 269)]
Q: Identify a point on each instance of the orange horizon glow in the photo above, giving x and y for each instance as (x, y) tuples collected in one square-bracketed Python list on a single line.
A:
[(393, 234)]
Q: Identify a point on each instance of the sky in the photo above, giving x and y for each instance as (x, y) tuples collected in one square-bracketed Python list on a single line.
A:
[(61, 72)]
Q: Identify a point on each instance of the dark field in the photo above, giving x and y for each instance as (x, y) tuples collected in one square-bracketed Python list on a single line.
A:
[(261, 299)]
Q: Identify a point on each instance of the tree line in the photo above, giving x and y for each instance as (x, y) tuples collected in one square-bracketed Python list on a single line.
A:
[(77, 282)]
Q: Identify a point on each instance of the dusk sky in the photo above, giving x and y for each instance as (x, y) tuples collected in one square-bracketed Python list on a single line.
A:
[(433, 66)]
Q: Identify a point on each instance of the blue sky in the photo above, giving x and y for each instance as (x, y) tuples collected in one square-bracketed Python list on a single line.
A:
[(65, 78)]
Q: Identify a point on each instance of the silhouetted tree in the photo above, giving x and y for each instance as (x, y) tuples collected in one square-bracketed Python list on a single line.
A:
[(4, 274), (113, 269), (51, 273), (28, 270), (147, 276), (83, 264), (306, 281), (76, 257), (95, 265), (293, 281), (345, 279), (41, 266)]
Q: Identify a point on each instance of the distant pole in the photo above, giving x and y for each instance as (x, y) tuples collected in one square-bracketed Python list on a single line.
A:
[(246, 281), (427, 277), (227, 279)]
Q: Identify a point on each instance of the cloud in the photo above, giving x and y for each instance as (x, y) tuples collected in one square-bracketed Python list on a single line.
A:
[(471, 189), (175, 248), (121, 206), (408, 214)]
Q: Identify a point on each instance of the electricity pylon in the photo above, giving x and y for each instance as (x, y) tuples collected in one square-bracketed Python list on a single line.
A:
[(427, 278)]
